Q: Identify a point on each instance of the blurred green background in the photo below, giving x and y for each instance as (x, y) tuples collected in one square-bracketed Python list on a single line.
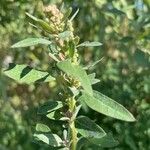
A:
[(123, 26)]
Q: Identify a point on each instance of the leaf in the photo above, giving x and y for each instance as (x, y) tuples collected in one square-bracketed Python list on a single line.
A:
[(65, 35), (87, 128), (77, 72), (50, 139), (141, 59), (26, 74), (107, 141), (42, 24), (126, 39), (73, 91), (92, 79), (53, 49), (31, 42), (71, 48), (67, 14), (116, 11), (42, 128), (49, 107), (146, 51), (106, 106), (81, 143), (74, 15), (53, 57), (93, 64), (76, 111), (89, 44), (31, 17), (56, 115)]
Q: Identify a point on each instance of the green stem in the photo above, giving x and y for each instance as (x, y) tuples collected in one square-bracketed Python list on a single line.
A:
[(73, 132), (73, 136)]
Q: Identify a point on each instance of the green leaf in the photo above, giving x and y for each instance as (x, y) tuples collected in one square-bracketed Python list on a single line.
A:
[(76, 40), (50, 139), (76, 111), (31, 42), (42, 24), (26, 74), (89, 44), (31, 17), (106, 106), (71, 48), (65, 35), (87, 128), (49, 107), (81, 143), (53, 57), (141, 59), (116, 11), (106, 141), (56, 115), (93, 64), (73, 91), (126, 39), (67, 14), (74, 15), (53, 49), (77, 72), (42, 128), (92, 79)]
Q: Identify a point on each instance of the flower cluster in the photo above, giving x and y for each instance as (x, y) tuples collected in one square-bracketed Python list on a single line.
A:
[(55, 16)]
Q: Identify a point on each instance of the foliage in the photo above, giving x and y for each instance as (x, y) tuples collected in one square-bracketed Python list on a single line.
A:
[(70, 76), (123, 72)]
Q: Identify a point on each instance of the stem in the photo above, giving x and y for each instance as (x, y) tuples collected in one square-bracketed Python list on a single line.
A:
[(73, 136), (73, 131)]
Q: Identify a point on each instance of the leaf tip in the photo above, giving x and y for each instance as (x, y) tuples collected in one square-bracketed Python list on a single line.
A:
[(27, 14), (13, 46), (132, 119)]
